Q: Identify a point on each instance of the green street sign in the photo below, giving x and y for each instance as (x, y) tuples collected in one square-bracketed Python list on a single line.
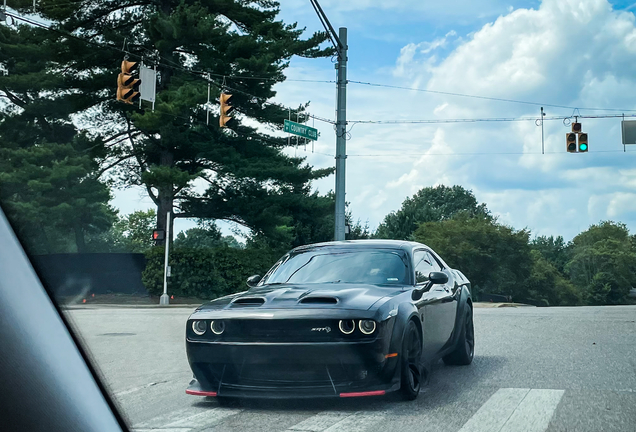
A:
[(301, 130)]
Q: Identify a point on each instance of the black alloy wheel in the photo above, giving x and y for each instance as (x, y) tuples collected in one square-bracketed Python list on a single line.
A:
[(465, 348), (411, 362)]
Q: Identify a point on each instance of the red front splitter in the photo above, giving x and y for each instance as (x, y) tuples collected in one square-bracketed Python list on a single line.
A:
[(200, 393), (360, 394)]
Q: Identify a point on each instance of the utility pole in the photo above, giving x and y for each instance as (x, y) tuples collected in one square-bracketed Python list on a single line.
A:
[(341, 135), (164, 300), (339, 41)]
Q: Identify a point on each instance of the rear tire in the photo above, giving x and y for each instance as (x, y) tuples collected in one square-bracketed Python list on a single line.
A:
[(465, 348), (411, 370)]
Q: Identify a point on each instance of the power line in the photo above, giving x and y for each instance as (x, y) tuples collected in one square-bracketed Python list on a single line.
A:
[(486, 97), (490, 119), (480, 153)]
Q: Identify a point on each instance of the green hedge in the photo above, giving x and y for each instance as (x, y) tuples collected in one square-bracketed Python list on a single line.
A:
[(205, 273)]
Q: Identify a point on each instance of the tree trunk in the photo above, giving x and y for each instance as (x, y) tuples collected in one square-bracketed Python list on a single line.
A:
[(79, 238), (166, 198)]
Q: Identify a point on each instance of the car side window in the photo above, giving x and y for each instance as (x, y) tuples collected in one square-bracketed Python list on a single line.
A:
[(423, 266), (434, 263)]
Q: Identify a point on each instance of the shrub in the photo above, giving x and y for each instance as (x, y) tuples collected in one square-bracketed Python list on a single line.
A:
[(205, 272)]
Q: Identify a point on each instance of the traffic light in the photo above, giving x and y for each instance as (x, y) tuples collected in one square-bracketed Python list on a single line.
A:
[(576, 127), (226, 109), (127, 84), (158, 235), (582, 142), (570, 140)]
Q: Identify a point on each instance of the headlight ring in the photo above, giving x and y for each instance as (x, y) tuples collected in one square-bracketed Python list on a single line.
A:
[(199, 327)]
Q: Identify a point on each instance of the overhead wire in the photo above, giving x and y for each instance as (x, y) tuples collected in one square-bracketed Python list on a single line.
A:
[(203, 74), (484, 97)]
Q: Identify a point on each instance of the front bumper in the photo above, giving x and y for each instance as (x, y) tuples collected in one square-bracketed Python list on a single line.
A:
[(292, 370)]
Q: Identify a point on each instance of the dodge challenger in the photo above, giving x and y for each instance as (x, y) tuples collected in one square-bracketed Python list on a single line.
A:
[(337, 319)]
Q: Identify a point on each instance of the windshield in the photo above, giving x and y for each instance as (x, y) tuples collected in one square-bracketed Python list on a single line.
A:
[(367, 267)]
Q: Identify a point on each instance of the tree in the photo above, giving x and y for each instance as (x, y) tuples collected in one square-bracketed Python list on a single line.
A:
[(553, 249), (131, 233), (430, 204), (546, 286), (48, 185), (243, 47), (603, 263), (50, 182), (205, 236), (495, 258)]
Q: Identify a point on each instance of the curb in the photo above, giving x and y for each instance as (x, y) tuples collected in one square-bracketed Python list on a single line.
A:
[(486, 305), (129, 306)]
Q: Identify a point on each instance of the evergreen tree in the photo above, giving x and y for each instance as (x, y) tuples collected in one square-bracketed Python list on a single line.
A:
[(244, 48)]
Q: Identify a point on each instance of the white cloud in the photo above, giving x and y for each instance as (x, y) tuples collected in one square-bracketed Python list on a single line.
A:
[(566, 52)]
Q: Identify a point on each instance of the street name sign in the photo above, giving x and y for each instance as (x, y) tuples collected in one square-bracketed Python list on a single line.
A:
[(301, 130)]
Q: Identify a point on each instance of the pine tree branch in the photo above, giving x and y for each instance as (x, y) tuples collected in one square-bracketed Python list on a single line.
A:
[(112, 165), (13, 98)]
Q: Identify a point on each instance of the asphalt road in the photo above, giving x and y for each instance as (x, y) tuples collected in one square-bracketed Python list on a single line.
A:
[(535, 369)]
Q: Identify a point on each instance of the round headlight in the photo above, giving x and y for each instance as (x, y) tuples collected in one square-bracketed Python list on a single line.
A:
[(347, 326), (198, 327), (367, 326), (217, 327)]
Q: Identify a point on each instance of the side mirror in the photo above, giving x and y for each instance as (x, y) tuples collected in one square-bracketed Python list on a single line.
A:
[(438, 278), (434, 278), (253, 280)]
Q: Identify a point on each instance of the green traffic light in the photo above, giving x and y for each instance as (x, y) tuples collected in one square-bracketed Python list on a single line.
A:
[(583, 147)]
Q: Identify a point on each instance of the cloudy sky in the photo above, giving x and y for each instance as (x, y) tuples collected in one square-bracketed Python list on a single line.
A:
[(569, 53)]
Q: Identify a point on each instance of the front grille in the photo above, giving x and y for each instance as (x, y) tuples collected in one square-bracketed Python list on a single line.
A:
[(286, 330)]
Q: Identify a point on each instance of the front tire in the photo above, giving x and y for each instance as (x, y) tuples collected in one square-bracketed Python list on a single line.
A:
[(411, 370), (465, 348)]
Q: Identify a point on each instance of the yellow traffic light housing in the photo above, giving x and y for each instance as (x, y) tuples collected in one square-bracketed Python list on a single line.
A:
[(127, 84), (570, 141), (225, 120), (583, 147), (576, 127)]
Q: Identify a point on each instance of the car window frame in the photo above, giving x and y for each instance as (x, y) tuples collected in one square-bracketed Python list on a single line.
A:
[(416, 263)]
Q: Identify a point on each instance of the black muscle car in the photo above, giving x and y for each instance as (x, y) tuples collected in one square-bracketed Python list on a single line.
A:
[(339, 319)]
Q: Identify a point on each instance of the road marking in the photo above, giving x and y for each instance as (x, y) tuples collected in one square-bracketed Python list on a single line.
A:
[(515, 410), (338, 421), (320, 421), (359, 422), (136, 389), (170, 417), (162, 430), (534, 412), (186, 419), (208, 417)]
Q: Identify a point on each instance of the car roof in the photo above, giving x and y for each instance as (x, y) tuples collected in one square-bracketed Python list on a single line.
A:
[(375, 243)]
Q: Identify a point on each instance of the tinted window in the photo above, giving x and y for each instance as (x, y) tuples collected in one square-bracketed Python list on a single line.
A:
[(423, 266), (372, 267), (434, 262)]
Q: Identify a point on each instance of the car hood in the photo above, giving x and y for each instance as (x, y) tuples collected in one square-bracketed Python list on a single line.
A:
[(309, 296)]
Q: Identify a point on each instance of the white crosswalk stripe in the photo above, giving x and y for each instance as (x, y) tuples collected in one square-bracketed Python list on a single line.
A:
[(186, 420), (338, 421), (515, 410)]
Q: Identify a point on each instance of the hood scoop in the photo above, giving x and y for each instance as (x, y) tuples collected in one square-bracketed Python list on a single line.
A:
[(249, 301), (318, 300)]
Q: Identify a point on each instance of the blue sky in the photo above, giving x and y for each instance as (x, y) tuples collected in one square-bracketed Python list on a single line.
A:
[(576, 53)]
